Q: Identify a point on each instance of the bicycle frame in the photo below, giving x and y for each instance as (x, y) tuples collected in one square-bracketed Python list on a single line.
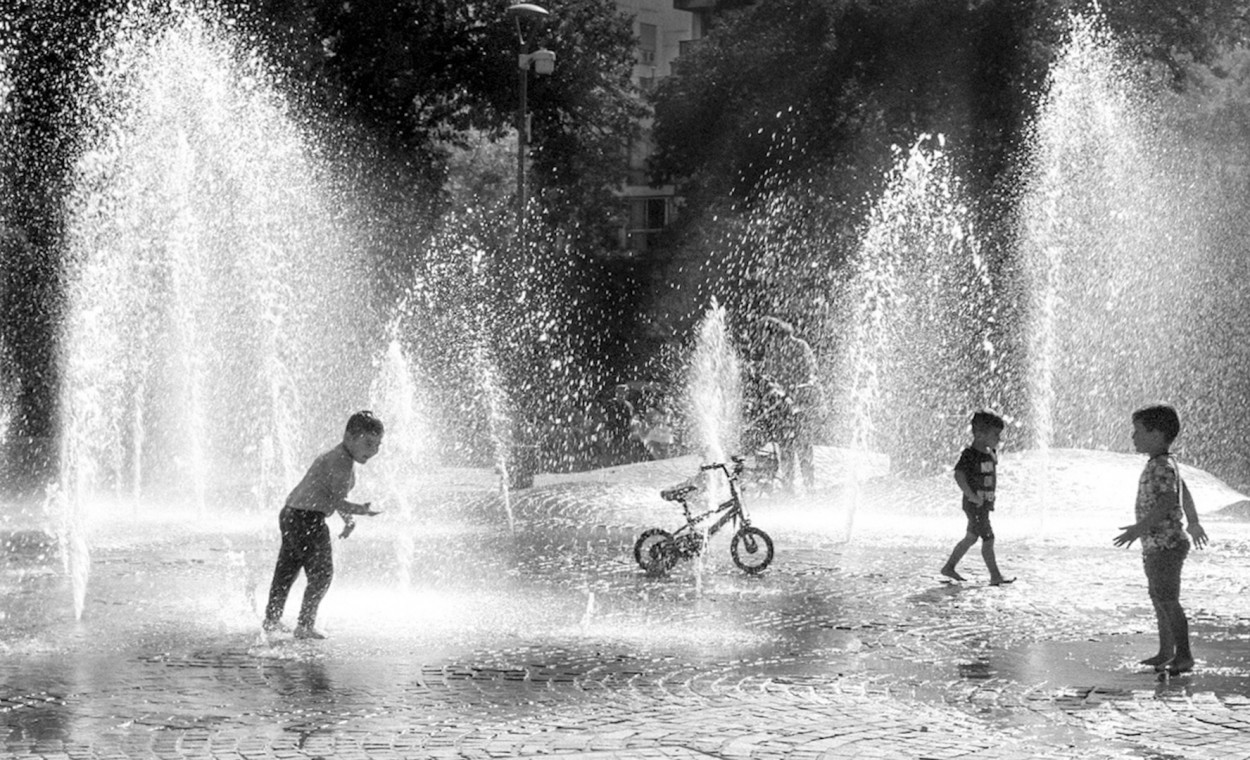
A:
[(732, 507)]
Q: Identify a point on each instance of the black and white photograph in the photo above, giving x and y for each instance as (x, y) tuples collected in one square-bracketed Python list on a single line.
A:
[(625, 379)]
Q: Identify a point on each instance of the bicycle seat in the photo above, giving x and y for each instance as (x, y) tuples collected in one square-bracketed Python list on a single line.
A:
[(677, 493)]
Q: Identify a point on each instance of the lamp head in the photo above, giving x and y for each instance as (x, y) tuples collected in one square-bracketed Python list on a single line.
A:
[(544, 61), (527, 9)]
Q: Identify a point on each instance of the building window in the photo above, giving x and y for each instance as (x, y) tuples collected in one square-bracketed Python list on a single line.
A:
[(684, 48), (647, 35), (641, 148), (647, 217)]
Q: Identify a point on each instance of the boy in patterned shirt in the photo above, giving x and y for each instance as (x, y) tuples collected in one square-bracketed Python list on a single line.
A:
[(1161, 500), (976, 477)]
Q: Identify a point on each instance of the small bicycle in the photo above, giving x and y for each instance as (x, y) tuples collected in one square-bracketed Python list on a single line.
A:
[(657, 551)]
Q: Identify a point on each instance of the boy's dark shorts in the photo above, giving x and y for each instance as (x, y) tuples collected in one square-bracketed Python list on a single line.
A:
[(979, 522), (1163, 573)]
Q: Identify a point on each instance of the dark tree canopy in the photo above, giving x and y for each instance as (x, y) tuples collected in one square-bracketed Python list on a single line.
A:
[(783, 86), (421, 74)]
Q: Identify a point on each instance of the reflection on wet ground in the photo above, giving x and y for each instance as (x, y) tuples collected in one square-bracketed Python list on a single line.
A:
[(551, 640)]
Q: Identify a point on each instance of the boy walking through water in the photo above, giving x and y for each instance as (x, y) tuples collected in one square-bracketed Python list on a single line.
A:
[(1161, 500), (305, 536), (976, 476)]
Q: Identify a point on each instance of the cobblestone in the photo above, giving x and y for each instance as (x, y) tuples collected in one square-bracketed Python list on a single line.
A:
[(549, 641)]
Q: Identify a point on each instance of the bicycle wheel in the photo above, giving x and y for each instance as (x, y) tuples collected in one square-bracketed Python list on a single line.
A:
[(647, 544), (752, 550)]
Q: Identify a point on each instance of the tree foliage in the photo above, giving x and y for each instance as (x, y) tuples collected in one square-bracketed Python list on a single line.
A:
[(783, 86), (422, 75)]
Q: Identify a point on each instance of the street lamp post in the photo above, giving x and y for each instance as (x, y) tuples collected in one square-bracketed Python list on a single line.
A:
[(543, 62)]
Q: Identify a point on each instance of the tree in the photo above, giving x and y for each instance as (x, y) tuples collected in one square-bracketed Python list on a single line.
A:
[(803, 101), (423, 75), (783, 86)]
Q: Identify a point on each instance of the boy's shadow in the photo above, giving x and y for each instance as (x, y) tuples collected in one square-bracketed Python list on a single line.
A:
[(935, 595)]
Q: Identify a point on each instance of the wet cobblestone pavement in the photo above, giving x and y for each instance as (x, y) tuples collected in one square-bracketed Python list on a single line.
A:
[(548, 640)]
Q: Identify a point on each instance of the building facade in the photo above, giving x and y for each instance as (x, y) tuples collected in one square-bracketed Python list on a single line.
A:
[(665, 30), (662, 31)]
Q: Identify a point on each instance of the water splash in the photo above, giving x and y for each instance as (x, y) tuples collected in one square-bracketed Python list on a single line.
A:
[(714, 405), (206, 282), (499, 421), (714, 389), (1092, 244), (7, 408), (69, 526), (1132, 302), (920, 344), (921, 347), (589, 615), (395, 398), (214, 325)]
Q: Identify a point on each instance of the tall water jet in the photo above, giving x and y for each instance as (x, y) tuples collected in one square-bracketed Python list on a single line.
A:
[(395, 399), (922, 318), (1109, 244), (920, 322), (714, 389), (499, 420), (216, 329), (7, 393), (6, 416)]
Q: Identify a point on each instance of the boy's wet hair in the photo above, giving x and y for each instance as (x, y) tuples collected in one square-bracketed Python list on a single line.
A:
[(1161, 417), (984, 420), (363, 423)]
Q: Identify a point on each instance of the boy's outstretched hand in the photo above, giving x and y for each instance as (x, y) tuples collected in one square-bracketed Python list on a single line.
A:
[(369, 510), (1199, 535), (1131, 533)]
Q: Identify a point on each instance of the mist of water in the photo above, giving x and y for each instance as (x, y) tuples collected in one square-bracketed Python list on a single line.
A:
[(6, 413), (499, 421), (714, 389), (1097, 245), (920, 325), (1132, 300), (7, 393), (215, 311), (396, 399), (216, 332)]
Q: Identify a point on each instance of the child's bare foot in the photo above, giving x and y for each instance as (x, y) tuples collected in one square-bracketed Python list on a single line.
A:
[(1001, 581), (949, 572), (1176, 666), (1157, 660)]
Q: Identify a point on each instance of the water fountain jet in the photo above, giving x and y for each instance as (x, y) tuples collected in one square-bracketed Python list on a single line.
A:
[(205, 346), (921, 324)]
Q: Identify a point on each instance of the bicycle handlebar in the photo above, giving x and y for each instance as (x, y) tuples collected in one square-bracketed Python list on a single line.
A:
[(737, 461)]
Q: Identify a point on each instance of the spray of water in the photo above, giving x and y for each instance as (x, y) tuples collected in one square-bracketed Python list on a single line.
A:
[(920, 319), (499, 421), (396, 399), (1134, 300), (919, 322), (714, 389), (714, 404), (215, 327), (207, 286), (1093, 246)]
